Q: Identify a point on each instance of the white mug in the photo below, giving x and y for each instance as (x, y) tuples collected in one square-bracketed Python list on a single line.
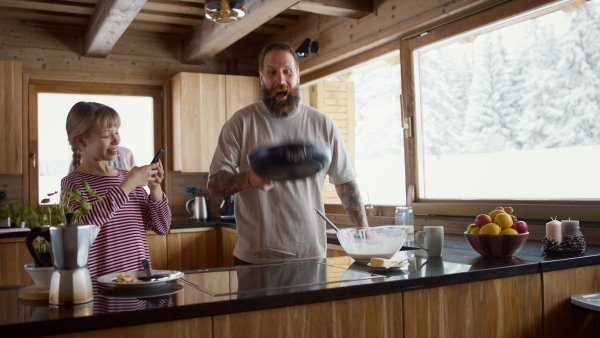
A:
[(434, 240)]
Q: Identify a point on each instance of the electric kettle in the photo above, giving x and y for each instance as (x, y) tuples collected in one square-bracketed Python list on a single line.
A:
[(197, 208)]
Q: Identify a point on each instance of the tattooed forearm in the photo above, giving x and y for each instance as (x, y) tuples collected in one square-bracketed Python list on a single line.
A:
[(352, 202), (224, 184)]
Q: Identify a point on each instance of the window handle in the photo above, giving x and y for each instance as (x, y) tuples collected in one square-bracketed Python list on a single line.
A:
[(406, 121), (32, 156)]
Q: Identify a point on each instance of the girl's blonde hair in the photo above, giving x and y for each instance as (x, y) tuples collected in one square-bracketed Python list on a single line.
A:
[(85, 118)]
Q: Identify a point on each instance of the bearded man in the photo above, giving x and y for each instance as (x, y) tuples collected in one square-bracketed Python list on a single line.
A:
[(276, 221)]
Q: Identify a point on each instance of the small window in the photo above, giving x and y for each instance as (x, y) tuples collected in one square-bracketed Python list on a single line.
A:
[(55, 153)]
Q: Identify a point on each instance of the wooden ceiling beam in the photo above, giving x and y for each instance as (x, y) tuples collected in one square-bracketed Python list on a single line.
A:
[(108, 23), (354, 9), (209, 38)]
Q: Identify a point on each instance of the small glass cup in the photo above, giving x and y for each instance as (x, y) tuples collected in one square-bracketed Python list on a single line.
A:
[(404, 216)]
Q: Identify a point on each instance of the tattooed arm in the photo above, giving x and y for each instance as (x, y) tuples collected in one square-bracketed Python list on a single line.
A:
[(352, 202), (224, 183)]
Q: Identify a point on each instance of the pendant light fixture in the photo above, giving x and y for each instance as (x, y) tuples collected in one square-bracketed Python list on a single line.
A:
[(223, 11)]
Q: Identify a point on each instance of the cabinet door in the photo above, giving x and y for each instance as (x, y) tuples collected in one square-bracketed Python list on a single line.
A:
[(561, 318), (14, 255), (229, 236), (199, 111), (157, 245), (192, 249), (11, 118), (503, 307), (240, 92)]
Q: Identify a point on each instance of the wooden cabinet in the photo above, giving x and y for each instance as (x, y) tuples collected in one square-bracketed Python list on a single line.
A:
[(503, 307), (13, 257), (193, 248), (11, 117), (228, 237), (201, 105), (561, 318), (157, 245)]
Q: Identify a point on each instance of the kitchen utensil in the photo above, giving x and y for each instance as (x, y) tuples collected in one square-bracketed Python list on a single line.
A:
[(364, 243), (329, 222), (71, 283), (149, 276), (197, 208), (289, 162), (434, 240)]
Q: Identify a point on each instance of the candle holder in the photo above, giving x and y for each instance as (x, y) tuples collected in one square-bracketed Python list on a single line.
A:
[(570, 245)]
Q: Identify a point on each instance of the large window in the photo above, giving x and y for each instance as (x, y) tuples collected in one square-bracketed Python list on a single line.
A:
[(364, 102), (510, 111)]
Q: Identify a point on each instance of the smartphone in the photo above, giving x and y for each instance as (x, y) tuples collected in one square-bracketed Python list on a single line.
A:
[(158, 155)]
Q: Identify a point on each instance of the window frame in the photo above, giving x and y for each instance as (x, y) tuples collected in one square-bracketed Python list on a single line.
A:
[(67, 87), (584, 210)]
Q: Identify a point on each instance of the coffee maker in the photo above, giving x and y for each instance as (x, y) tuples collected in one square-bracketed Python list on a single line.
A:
[(226, 207), (71, 283)]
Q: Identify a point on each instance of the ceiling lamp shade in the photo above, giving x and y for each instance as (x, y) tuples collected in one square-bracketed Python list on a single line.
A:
[(222, 11)]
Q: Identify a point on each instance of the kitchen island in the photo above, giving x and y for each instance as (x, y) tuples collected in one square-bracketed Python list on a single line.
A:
[(461, 294)]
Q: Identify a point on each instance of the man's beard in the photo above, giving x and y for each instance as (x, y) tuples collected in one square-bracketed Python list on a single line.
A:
[(281, 108)]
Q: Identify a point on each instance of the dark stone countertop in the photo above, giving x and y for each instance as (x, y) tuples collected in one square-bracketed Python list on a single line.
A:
[(288, 284)]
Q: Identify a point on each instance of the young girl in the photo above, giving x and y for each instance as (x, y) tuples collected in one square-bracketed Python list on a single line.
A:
[(126, 210)]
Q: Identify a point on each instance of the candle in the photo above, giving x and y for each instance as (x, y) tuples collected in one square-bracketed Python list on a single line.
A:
[(570, 227), (553, 230)]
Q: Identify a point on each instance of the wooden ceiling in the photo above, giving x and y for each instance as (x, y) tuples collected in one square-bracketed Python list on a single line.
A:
[(105, 21)]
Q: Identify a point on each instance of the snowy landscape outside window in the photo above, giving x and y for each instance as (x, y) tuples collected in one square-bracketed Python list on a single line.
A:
[(512, 111)]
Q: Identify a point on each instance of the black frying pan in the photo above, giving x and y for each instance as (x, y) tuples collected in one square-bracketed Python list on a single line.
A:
[(289, 162)]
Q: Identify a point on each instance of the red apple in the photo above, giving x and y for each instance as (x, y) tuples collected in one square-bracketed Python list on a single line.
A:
[(520, 226), (482, 220)]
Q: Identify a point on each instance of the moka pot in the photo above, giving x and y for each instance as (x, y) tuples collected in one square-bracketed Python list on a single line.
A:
[(71, 283)]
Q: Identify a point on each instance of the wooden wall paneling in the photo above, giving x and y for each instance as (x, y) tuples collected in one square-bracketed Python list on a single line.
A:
[(503, 307), (11, 117), (13, 185), (178, 199), (157, 245), (376, 316), (392, 20), (193, 248), (14, 255), (561, 318)]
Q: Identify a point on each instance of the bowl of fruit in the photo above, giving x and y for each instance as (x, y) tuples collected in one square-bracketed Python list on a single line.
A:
[(498, 233)]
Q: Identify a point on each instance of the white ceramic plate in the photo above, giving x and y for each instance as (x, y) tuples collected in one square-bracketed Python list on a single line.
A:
[(108, 278)]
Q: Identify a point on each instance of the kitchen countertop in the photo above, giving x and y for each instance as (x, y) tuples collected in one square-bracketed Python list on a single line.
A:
[(287, 284)]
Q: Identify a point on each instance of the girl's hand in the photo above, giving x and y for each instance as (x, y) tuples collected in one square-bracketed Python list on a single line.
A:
[(139, 177), (156, 193), (157, 178)]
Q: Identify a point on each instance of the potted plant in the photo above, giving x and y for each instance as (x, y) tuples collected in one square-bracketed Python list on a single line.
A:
[(40, 219), (15, 214)]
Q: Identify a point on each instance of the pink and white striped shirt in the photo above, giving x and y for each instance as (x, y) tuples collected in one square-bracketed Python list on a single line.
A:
[(123, 221)]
